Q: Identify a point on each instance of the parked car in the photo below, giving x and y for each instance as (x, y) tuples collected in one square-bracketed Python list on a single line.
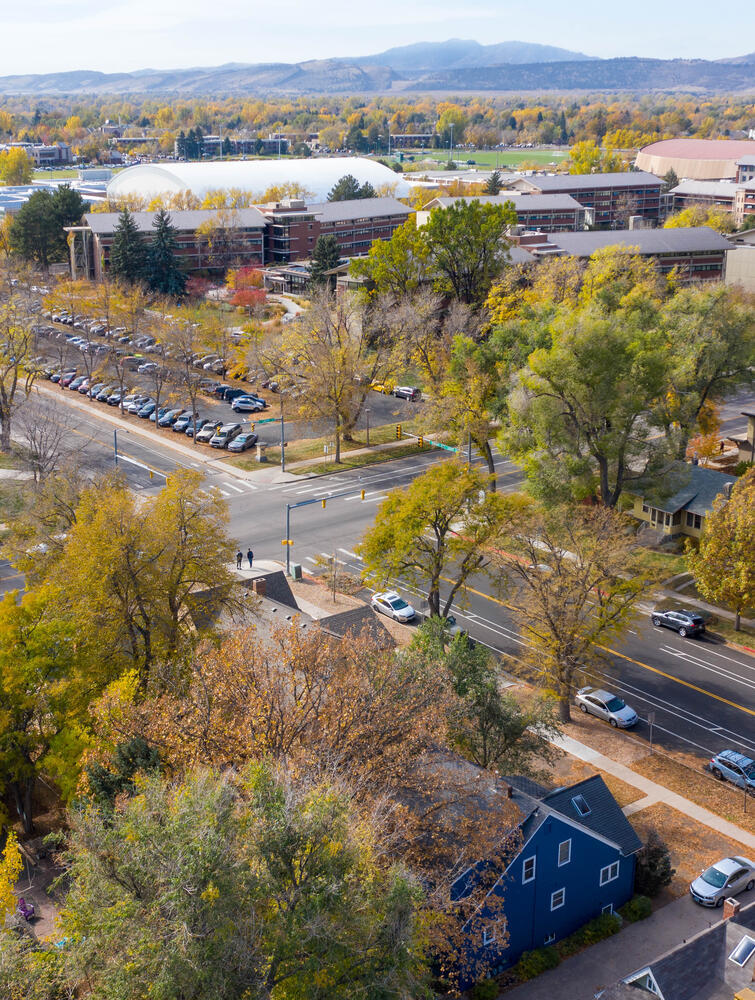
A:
[(67, 379), (606, 706), (154, 417), (208, 432), (734, 767), (220, 388), (727, 877), (407, 392), (680, 620), (231, 392), (243, 442), (392, 604), (137, 403), (200, 422), (104, 394), (86, 387), (183, 422), (248, 404), (74, 384), (95, 389), (147, 368), (385, 387), (147, 411), (223, 437), (170, 417)]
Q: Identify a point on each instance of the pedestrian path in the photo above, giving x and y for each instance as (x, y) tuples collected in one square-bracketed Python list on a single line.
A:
[(653, 791)]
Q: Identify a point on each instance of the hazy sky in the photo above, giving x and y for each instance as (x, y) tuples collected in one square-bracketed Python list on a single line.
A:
[(120, 35)]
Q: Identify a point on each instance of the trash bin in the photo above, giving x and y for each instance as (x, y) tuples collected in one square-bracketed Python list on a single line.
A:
[(296, 571)]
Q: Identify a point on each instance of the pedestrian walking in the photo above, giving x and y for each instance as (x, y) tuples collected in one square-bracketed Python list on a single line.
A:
[(250, 557), (239, 558)]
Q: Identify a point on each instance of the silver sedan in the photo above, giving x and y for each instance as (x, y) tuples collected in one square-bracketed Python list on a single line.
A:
[(725, 878), (606, 706)]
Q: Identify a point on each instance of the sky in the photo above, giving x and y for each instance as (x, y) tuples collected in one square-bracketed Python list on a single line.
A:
[(124, 35)]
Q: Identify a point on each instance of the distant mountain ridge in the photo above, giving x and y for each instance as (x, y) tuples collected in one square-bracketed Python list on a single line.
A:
[(457, 65)]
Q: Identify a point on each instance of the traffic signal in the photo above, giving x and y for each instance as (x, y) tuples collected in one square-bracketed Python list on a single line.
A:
[(323, 503), (420, 441), (398, 432), (251, 426)]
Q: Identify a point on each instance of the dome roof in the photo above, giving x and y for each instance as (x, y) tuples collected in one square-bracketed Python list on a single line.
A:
[(316, 174)]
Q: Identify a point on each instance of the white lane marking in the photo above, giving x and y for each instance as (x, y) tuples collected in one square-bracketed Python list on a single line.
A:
[(310, 559), (232, 487), (223, 493), (719, 671), (347, 552)]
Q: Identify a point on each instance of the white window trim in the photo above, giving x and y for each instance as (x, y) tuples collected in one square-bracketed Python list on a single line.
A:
[(608, 908), (562, 892), (533, 859), (489, 937), (568, 857), (605, 873), (549, 940)]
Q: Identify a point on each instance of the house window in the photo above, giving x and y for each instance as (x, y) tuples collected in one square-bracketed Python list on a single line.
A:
[(690, 519), (580, 804), (608, 908), (558, 898), (564, 852), (550, 939), (489, 936), (609, 873), (528, 870)]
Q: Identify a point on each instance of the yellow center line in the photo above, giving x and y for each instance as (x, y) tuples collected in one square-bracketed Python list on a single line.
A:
[(638, 663)]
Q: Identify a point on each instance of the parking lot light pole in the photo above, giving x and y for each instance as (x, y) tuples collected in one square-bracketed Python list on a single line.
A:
[(367, 414), (283, 447), (115, 446)]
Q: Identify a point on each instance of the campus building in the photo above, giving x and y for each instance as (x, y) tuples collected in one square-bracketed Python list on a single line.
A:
[(738, 199), (696, 159), (548, 213), (609, 200), (697, 253)]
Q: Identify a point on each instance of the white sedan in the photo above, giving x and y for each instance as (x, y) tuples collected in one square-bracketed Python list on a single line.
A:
[(392, 604)]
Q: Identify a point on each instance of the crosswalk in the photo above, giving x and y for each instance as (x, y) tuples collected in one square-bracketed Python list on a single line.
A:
[(235, 488)]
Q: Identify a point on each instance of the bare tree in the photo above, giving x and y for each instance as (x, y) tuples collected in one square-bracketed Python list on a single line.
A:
[(17, 340), (47, 438)]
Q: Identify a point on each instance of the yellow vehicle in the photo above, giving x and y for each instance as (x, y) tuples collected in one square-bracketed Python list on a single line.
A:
[(385, 387)]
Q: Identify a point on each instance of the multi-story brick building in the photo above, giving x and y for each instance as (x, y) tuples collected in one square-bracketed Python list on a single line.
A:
[(548, 213), (294, 226), (746, 168), (207, 240), (697, 252), (739, 199), (609, 200)]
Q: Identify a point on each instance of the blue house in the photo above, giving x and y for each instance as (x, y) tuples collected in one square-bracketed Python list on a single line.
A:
[(574, 859)]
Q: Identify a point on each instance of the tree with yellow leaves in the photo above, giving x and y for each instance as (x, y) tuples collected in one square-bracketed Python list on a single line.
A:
[(702, 215), (11, 866), (16, 166)]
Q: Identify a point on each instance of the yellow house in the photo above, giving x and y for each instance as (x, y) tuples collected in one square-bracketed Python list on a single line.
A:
[(684, 512)]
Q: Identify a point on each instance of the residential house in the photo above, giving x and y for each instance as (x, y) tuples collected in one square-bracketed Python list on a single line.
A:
[(716, 964), (746, 445), (683, 512), (574, 859)]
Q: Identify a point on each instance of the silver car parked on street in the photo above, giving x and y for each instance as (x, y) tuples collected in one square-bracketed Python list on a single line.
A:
[(725, 878), (606, 706)]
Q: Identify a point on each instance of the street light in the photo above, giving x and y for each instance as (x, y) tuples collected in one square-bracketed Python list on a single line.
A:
[(367, 414)]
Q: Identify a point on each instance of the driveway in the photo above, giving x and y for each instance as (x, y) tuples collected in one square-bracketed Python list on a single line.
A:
[(635, 946)]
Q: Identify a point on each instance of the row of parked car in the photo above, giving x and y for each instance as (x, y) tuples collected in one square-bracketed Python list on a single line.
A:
[(215, 432)]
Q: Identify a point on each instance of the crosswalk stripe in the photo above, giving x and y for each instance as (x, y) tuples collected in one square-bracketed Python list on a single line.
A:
[(346, 552), (223, 493), (232, 487), (310, 559)]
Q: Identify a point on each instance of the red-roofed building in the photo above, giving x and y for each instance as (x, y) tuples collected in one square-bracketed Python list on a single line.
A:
[(696, 159)]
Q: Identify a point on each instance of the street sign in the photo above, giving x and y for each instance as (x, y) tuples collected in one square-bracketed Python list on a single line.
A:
[(651, 718), (438, 444), (268, 420)]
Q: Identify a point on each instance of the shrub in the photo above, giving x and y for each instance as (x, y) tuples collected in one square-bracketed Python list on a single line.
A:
[(532, 963), (654, 870), (741, 467), (596, 930), (486, 989), (638, 908)]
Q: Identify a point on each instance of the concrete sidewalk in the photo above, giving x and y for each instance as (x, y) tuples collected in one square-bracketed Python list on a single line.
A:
[(582, 976), (653, 791)]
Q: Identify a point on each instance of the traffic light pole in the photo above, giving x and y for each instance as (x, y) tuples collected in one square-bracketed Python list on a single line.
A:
[(288, 541)]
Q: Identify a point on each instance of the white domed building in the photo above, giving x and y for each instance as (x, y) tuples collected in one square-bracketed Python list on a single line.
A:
[(317, 175)]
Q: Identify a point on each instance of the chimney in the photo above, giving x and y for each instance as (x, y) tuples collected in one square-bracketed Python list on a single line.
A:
[(731, 908), (260, 586), (509, 792)]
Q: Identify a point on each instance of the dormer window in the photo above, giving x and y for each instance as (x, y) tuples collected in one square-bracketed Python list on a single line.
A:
[(580, 804)]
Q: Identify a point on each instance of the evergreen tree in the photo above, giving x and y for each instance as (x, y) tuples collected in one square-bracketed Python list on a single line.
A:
[(670, 180), (562, 127), (348, 188), (163, 272), (37, 230), (325, 256), (128, 252), (494, 183)]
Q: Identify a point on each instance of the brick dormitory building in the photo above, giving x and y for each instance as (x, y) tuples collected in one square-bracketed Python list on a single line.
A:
[(269, 234)]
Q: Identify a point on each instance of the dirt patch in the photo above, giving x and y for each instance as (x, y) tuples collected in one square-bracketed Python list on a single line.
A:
[(600, 736), (692, 845), (316, 591), (691, 781)]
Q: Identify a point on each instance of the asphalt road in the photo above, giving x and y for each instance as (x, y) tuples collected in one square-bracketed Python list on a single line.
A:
[(702, 692)]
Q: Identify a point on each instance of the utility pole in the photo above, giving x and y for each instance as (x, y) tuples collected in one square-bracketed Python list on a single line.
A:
[(451, 144), (283, 438), (469, 450), (115, 446), (367, 414)]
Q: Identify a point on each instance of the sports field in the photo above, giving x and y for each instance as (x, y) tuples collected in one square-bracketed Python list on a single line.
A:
[(493, 158)]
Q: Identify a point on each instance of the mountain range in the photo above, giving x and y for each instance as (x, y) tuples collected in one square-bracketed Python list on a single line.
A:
[(457, 65)]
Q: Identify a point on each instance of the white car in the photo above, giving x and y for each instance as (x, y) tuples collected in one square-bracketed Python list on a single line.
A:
[(392, 604), (606, 706), (725, 878)]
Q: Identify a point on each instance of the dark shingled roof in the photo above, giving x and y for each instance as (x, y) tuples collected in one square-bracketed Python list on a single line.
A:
[(605, 817), (356, 621), (691, 239), (358, 208), (184, 220), (698, 488), (589, 182)]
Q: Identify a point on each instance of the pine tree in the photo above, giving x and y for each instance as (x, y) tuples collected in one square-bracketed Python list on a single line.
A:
[(348, 188), (325, 256), (163, 273), (128, 252), (494, 183)]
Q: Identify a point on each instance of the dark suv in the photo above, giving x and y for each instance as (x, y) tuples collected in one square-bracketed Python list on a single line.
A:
[(681, 621)]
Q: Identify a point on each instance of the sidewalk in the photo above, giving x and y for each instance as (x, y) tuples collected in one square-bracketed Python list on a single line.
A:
[(582, 976), (680, 598), (653, 791)]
